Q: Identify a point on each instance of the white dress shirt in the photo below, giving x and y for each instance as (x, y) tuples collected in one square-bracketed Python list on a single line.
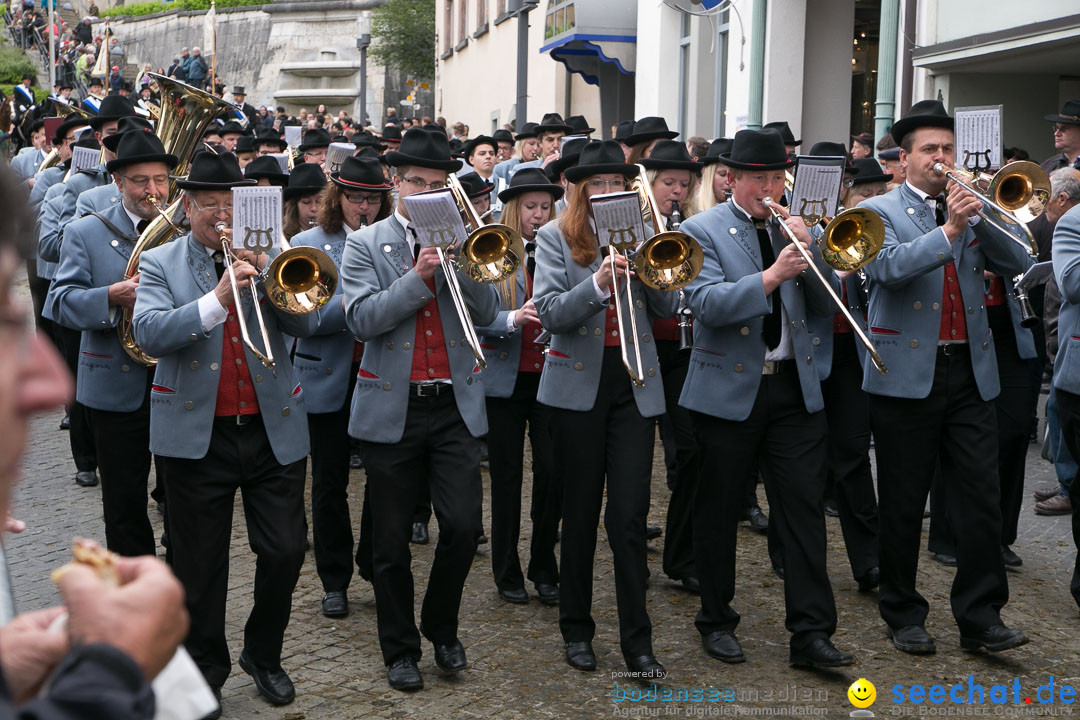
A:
[(784, 350)]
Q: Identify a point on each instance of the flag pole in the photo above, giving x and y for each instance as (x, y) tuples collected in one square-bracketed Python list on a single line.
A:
[(213, 56)]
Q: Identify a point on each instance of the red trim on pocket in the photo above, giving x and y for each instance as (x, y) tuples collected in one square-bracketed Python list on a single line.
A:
[(486, 347), (1076, 337), (162, 389), (97, 355), (362, 373), (556, 353), (973, 243), (884, 331), (296, 390)]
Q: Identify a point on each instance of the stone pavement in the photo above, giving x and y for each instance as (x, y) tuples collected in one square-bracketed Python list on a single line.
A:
[(516, 668)]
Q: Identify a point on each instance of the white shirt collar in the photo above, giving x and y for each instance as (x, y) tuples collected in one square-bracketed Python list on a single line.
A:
[(925, 197), (348, 230), (747, 215), (135, 219)]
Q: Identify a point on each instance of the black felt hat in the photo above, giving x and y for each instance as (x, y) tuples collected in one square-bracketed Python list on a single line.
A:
[(757, 150), (568, 157), (423, 149), (579, 125), (305, 179), (112, 108), (391, 133), (232, 128), (717, 148), (475, 186), (268, 136), (244, 144), (925, 113), (867, 170), (530, 180), (1070, 113), (266, 167), (470, 147), (501, 135), (126, 125), (361, 174), (65, 127), (552, 122), (670, 155), (784, 129), (833, 149), (624, 130), (650, 128), (366, 139), (528, 130), (140, 147), (600, 157), (313, 139), (210, 171)]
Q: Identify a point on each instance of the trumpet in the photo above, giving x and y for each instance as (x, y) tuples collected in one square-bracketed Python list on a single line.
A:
[(879, 364), (1012, 197)]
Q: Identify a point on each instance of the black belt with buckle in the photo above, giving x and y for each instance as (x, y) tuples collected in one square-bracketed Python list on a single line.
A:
[(952, 348), (430, 389), (776, 367), (239, 420)]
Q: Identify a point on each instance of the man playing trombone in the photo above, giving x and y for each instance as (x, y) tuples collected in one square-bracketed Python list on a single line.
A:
[(929, 321), (417, 409), (221, 418), (754, 395)]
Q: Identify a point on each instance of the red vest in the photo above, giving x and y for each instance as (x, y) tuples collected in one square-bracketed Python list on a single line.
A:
[(996, 294), (532, 353), (953, 323), (429, 360), (235, 395), (666, 329)]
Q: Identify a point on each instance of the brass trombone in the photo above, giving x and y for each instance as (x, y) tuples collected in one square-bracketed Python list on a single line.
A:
[(267, 358), (1013, 196), (879, 364)]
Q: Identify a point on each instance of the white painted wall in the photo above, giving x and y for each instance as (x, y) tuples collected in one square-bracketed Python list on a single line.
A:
[(657, 77), (826, 75), (784, 52), (963, 18)]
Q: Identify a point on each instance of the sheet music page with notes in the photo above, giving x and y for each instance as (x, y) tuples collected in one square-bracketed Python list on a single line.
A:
[(434, 214), (618, 219), (336, 154), (84, 158), (256, 218), (292, 135), (978, 137), (818, 182)]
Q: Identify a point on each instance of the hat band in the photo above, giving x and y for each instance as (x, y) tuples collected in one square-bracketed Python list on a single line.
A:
[(1074, 118), (352, 183)]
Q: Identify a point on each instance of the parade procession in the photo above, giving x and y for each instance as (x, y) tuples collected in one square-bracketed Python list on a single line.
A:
[(700, 379)]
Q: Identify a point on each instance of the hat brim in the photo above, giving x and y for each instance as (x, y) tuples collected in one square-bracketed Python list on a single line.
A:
[(540, 129), (266, 174), (905, 125), (510, 193), (646, 136), (187, 185), (304, 147), (867, 179), (558, 167), (652, 164), (296, 191), (282, 146), (396, 158), (337, 180), (1062, 119), (98, 120), (170, 160), (580, 172), (725, 158)]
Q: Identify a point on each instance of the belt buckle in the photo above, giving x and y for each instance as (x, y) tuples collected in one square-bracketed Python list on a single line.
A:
[(771, 367), (950, 349), (242, 420), (424, 390)]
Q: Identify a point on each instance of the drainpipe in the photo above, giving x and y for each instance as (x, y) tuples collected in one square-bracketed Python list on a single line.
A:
[(522, 8), (362, 44), (885, 107), (757, 65)]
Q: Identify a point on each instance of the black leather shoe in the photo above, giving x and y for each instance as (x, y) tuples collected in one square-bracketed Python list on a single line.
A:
[(912, 639), (451, 658), (335, 604), (274, 685), (830, 508), (820, 653), (65, 424), (870, 580), (548, 592), (1011, 559), (419, 534), (945, 559), (690, 583), (482, 539), (355, 462), (517, 596), (402, 674), (214, 714), (757, 518), (580, 655), (995, 639), (646, 666), (779, 570), (86, 478), (653, 531), (724, 646)]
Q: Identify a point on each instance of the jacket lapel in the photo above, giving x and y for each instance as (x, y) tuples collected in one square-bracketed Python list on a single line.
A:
[(917, 210), (743, 232), (393, 248), (122, 244), (200, 264)]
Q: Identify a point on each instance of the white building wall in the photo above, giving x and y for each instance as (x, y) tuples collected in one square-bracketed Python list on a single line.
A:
[(964, 18), (657, 77), (826, 106)]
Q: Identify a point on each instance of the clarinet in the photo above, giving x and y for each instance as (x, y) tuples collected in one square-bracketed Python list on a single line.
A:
[(686, 329)]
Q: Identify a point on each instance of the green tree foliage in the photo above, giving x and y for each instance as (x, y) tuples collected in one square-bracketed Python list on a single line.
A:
[(403, 37), (13, 63), (149, 8)]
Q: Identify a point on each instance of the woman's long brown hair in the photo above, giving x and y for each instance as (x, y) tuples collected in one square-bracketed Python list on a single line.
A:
[(575, 226), (331, 219)]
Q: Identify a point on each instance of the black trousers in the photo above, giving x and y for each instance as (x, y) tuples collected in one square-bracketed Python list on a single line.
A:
[(436, 451), (124, 442), (1014, 407), (847, 411), (39, 289), (507, 419), (83, 451), (789, 444), (956, 427), (1069, 410), (200, 495), (679, 429), (331, 526), (612, 445)]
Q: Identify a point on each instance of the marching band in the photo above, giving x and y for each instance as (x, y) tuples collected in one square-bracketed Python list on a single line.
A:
[(731, 324)]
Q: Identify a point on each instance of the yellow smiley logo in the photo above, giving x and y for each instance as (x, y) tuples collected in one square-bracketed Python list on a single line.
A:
[(862, 693)]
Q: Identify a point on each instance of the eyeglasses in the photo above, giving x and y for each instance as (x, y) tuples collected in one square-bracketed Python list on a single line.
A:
[(141, 181), (419, 183), (1061, 128), (213, 208), (613, 184), (363, 199)]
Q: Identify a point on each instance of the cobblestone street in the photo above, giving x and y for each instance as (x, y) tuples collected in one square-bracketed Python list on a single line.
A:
[(516, 668)]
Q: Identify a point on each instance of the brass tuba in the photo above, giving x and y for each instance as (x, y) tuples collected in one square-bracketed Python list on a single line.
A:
[(186, 112)]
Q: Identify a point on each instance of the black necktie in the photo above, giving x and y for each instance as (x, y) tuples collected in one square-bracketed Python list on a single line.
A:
[(219, 264), (416, 246), (770, 330), (141, 226), (530, 263), (939, 210)]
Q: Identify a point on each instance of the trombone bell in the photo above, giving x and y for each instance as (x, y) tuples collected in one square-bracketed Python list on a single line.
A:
[(300, 280), (852, 239), (487, 255), (668, 260)]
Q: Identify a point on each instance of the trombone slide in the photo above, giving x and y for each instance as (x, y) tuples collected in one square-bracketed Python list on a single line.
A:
[(266, 359), (634, 370)]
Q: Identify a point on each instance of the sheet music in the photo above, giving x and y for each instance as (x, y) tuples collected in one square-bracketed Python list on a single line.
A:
[(978, 137), (256, 218), (84, 158), (618, 219), (282, 161), (336, 154), (817, 186), (434, 214), (292, 135)]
